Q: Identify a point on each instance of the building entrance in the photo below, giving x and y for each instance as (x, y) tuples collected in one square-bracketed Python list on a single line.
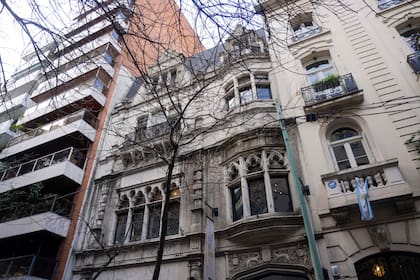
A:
[(389, 266)]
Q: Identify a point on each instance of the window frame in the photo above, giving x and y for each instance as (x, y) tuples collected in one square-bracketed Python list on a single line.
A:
[(346, 143), (148, 205), (242, 180)]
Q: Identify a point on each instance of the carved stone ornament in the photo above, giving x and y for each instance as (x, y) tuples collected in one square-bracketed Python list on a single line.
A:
[(380, 237), (298, 255)]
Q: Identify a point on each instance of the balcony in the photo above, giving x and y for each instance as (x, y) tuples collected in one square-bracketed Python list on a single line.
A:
[(414, 61), (82, 122), (82, 96), (14, 107), (50, 213), (6, 133), (384, 178), (335, 91), (158, 130), (385, 4), (27, 267), (69, 163), (308, 32)]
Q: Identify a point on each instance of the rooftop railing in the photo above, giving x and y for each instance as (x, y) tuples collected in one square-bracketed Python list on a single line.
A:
[(29, 265), (329, 89), (414, 61), (68, 154), (61, 205), (83, 114)]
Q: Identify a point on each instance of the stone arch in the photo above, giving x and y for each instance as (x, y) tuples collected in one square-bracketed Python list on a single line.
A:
[(253, 163)]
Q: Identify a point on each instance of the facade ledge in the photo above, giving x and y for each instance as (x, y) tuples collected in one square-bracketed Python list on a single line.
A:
[(321, 33), (80, 126), (384, 179), (391, 5), (266, 227), (66, 169), (48, 221), (341, 101)]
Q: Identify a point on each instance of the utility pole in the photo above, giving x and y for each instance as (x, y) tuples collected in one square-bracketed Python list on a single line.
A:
[(302, 201)]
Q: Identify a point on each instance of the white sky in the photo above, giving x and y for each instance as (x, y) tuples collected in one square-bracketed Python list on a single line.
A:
[(13, 42)]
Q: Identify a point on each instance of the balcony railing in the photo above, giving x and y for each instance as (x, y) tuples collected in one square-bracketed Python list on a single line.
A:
[(83, 114), (61, 205), (380, 176), (414, 61), (384, 4), (299, 35), (27, 266), (326, 90), (148, 133), (68, 154)]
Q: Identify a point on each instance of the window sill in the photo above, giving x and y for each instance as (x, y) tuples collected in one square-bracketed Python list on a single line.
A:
[(403, 3), (308, 38), (265, 226)]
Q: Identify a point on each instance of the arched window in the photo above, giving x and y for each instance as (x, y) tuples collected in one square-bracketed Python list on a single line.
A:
[(347, 148)]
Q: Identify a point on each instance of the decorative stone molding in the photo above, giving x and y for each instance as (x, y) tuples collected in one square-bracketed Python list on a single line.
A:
[(292, 255), (197, 198)]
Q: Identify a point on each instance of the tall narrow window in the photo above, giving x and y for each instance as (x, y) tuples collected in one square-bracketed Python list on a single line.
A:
[(348, 149), (281, 196), (137, 224), (120, 228), (154, 220), (237, 207), (257, 197), (173, 218)]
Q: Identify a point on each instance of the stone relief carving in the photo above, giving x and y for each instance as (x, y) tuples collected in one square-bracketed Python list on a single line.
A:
[(282, 255)]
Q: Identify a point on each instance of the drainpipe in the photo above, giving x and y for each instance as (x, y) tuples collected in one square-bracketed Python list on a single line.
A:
[(302, 201)]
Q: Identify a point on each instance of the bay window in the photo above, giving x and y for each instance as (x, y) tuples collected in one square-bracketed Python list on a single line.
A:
[(258, 185)]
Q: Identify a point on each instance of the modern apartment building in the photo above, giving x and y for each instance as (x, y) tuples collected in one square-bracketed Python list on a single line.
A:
[(347, 77), (52, 118)]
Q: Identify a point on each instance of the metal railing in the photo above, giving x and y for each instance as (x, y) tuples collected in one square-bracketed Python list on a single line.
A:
[(68, 154), (383, 4), (80, 115), (414, 61), (327, 90), (61, 205), (29, 265), (299, 35)]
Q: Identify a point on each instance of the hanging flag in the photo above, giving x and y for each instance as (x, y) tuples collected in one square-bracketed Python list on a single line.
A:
[(363, 200)]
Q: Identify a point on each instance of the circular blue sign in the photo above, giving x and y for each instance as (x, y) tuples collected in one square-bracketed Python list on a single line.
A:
[(332, 184)]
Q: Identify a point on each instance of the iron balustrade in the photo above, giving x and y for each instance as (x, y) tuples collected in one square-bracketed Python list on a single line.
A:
[(60, 205), (80, 115), (414, 61), (29, 265), (383, 4), (299, 35), (148, 133), (326, 90), (68, 154)]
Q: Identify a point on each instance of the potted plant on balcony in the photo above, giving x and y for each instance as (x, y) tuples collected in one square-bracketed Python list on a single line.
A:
[(331, 81)]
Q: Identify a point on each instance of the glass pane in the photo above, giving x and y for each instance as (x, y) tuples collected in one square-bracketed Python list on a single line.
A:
[(343, 133), (341, 157), (230, 101), (257, 197), (99, 85), (137, 224), (359, 153), (237, 207), (156, 118), (263, 92), (154, 221), (281, 197), (120, 228), (245, 95), (173, 218), (108, 58)]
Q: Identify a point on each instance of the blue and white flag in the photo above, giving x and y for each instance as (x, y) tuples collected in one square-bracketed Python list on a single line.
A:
[(363, 200)]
